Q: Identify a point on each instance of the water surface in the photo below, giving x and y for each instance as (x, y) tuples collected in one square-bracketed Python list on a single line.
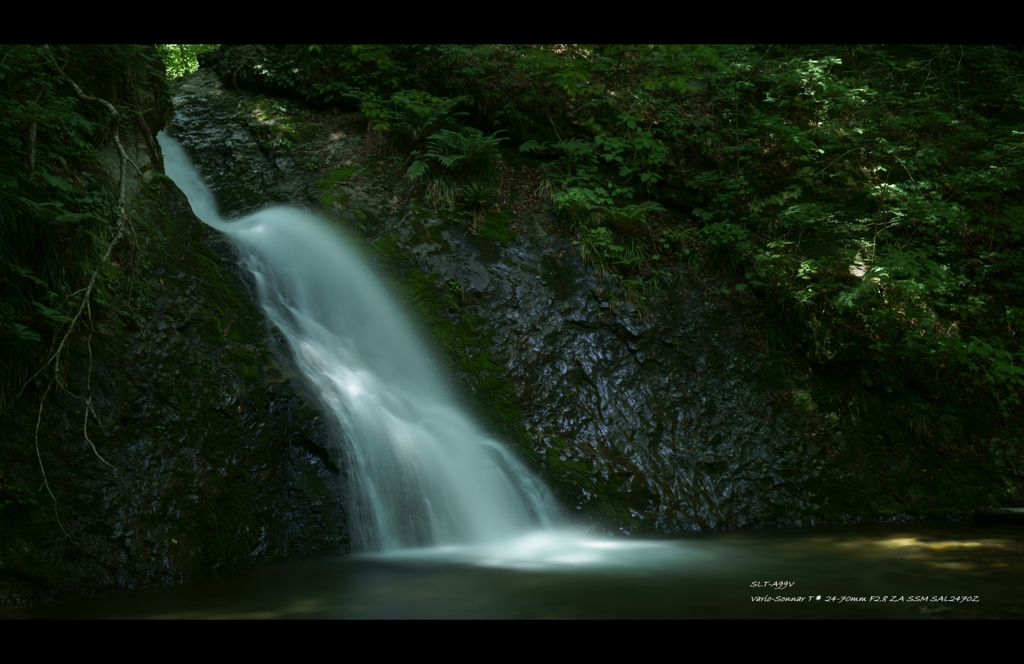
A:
[(946, 571)]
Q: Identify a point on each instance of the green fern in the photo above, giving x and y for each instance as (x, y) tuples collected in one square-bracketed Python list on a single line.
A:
[(468, 148), (418, 169), (453, 156)]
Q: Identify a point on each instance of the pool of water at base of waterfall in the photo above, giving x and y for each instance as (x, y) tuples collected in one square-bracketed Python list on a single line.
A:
[(943, 571)]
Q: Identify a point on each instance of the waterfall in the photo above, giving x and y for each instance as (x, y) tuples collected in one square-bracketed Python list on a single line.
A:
[(420, 471)]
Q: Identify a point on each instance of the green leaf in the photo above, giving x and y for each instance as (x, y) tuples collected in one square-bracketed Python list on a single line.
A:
[(533, 146), (52, 314), (25, 333), (417, 170), (28, 274), (58, 182)]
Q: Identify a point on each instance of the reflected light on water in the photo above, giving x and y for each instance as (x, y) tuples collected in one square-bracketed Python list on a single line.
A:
[(903, 542), (563, 550), (940, 553)]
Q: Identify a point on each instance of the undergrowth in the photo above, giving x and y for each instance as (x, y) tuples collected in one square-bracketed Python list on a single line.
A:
[(868, 197), (56, 201)]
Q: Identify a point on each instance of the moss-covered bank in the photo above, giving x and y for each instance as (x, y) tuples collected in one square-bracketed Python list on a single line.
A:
[(218, 458)]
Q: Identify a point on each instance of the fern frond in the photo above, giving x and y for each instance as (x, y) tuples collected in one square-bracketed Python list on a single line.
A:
[(418, 169)]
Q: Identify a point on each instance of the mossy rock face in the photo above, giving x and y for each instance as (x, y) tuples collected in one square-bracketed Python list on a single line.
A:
[(333, 192), (461, 338), (218, 460), (497, 227), (257, 150)]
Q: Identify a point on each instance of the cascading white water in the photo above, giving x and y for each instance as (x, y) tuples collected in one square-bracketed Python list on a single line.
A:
[(422, 473)]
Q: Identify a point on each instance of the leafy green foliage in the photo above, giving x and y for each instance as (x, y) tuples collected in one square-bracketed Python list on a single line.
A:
[(466, 151), (182, 59), (452, 157), (409, 116), (869, 196), (55, 200)]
